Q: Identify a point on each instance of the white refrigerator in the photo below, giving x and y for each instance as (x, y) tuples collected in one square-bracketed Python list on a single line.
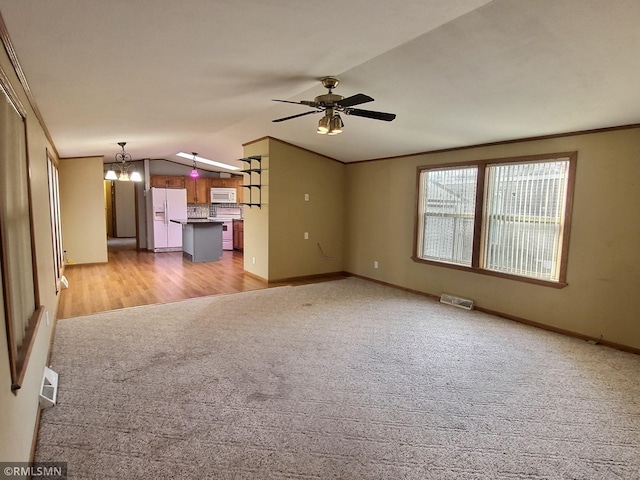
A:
[(167, 204)]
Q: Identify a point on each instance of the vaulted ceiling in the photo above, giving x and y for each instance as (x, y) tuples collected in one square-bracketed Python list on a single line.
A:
[(200, 75)]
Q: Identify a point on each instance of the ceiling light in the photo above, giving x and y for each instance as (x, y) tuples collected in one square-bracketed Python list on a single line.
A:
[(194, 173), (323, 125), (123, 163), (335, 125), (190, 156)]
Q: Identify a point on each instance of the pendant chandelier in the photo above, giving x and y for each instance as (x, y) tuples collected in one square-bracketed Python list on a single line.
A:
[(194, 173), (126, 170)]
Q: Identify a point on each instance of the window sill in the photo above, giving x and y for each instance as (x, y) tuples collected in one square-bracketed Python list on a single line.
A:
[(507, 276)]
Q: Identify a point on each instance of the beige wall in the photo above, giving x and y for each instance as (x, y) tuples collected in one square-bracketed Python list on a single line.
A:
[(18, 413), (604, 260), (84, 232), (291, 173)]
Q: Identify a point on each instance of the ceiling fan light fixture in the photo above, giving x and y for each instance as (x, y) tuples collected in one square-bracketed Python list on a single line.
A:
[(323, 125), (335, 125)]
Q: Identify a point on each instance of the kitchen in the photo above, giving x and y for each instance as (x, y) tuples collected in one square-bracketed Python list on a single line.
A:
[(184, 212), (173, 194)]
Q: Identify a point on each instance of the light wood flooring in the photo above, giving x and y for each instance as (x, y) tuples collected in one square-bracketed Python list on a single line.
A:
[(138, 277)]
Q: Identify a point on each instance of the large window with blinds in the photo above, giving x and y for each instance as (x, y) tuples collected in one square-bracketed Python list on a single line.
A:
[(20, 306), (506, 217)]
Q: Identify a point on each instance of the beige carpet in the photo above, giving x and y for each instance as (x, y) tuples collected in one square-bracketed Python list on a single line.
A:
[(338, 380)]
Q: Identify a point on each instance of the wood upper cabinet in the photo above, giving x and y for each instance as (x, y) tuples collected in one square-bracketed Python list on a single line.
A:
[(197, 190), (190, 185), (203, 191), (167, 181)]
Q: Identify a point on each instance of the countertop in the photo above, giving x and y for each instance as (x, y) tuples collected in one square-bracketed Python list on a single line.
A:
[(186, 221)]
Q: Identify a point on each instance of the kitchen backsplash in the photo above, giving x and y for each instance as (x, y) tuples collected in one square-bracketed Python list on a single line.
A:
[(198, 211), (205, 211)]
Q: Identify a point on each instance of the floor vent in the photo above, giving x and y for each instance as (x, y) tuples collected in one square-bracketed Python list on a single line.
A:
[(456, 301), (49, 388)]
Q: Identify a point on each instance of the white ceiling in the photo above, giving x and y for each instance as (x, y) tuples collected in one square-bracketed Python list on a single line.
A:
[(199, 75)]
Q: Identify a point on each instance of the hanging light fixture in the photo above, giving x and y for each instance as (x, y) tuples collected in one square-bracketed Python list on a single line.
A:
[(330, 124), (123, 163), (194, 173), (335, 125), (323, 125)]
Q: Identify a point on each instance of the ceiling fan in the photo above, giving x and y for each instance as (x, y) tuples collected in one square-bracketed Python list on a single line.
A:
[(332, 105)]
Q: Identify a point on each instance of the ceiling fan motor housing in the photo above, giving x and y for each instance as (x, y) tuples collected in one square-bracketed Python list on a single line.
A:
[(328, 99)]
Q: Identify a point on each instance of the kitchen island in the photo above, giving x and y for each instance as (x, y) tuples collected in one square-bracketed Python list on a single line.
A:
[(201, 238)]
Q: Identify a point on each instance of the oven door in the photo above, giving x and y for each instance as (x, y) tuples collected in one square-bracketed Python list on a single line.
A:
[(227, 235)]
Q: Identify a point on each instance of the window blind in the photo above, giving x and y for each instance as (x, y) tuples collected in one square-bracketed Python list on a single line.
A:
[(447, 214), (524, 210)]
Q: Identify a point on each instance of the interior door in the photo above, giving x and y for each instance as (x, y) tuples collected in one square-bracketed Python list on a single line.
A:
[(125, 209)]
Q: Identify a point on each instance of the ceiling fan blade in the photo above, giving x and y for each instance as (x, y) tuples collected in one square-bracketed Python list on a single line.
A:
[(356, 99), (308, 103), (387, 117), (286, 101), (295, 116)]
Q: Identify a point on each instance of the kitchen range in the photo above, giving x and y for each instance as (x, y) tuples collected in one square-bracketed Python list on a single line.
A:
[(227, 214)]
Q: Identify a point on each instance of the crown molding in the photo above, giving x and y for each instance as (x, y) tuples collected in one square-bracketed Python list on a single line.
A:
[(13, 57)]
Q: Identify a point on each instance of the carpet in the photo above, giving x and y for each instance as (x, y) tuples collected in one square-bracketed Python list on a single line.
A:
[(345, 379)]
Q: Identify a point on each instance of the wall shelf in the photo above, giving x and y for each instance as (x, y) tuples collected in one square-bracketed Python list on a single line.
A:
[(252, 173)]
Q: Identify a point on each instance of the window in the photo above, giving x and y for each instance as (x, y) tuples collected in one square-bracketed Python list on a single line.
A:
[(507, 217), (56, 226), (20, 306)]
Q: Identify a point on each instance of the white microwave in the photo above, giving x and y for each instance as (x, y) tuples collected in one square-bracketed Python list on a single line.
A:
[(223, 195)]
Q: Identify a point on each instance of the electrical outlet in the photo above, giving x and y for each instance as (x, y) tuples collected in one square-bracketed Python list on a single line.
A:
[(375, 264), (306, 197), (306, 235), (253, 260)]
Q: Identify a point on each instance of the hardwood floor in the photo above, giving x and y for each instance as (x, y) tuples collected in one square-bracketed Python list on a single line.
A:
[(132, 278)]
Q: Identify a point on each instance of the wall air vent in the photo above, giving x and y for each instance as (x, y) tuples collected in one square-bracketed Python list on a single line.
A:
[(456, 301), (49, 388)]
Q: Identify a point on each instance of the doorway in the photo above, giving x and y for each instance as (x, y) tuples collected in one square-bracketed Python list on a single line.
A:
[(121, 211)]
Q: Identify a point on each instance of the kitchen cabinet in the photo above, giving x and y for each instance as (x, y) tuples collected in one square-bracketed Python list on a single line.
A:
[(201, 239), (238, 235), (167, 181), (197, 190)]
